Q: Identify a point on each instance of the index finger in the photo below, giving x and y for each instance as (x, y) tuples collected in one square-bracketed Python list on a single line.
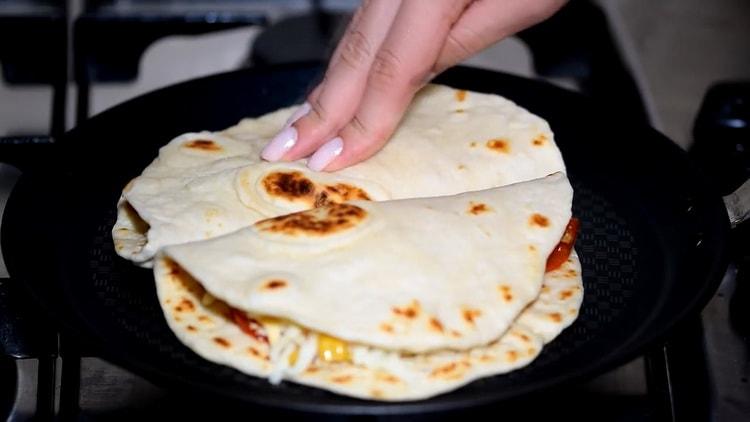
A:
[(401, 66)]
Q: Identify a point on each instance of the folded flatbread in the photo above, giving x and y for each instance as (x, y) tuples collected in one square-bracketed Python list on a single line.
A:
[(207, 184), (389, 300)]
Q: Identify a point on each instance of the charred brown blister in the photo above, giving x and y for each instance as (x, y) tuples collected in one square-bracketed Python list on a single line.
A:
[(470, 315), (203, 145), (274, 284), (291, 186), (539, 140), (296, 187), (476, 208), (410, 311), (221, 341), (539, 220), (436, 325), (499, 145), (505, 292), (324, 221)]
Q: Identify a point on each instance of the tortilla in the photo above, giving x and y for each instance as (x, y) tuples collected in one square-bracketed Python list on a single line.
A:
[(206, 184), (442, 279), (205, 327), (431, 273)]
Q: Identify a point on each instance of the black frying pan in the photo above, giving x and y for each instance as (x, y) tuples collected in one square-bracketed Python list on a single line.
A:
[(652, 242)]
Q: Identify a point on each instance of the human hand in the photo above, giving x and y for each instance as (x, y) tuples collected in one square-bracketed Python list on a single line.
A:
[(391, 48)]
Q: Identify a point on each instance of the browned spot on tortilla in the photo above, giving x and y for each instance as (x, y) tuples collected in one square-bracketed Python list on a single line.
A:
[(378, 394), (342, 192), (409, 311), (555, 316), (523, 337), (188, 305), (499, 145), (531, 351), (389, 378), (538, 220), (460, 95), (511, 356), (436, 325), (478, 208), (470, 315), (257, 353), (388, 328), (455, 333), (203, 145), (172, 267), (539, 140), (292, 186), (275, 284), (571, 273), (222, 342), (191, 328), (565, 294), (322, 221), (473, 144), (178, 319), (532, 248), (458, 110), (444, 369), (342, 379), (573, 311), (487, 358), (312, 369), (505, 291), (461, 167), (168, 301), (204, 318)]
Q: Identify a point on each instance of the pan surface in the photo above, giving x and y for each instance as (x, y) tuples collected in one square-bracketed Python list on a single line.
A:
[(651, 242)]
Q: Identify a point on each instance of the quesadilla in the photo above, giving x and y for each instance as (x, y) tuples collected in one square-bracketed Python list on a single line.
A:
[(207, 184), (393, 300)]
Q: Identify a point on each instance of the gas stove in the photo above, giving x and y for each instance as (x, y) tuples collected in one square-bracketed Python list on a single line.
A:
[(699, 373)]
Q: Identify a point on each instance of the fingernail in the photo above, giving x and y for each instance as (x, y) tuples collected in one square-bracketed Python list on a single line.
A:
[(325, 154), (280, 144), (301, 111)]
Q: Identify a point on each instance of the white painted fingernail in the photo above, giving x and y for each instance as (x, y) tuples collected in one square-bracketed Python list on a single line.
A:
[(301, 112), (325, 154), (280, 144)]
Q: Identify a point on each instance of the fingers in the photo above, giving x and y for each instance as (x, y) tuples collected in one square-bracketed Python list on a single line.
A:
[(336, 98), (400, 67), (389, 51), (486, 22)]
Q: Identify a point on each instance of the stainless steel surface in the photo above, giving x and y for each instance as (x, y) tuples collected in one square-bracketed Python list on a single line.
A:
[(24, 405), (738, 204)]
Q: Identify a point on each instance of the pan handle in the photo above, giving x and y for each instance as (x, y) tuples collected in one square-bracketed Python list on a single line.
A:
[(738, 204)]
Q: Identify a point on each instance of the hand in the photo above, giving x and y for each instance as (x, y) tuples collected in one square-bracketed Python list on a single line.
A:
[(391, 49)]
